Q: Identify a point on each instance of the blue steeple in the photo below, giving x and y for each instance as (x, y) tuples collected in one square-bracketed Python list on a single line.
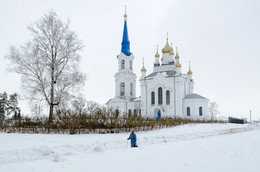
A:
[(125, 42)]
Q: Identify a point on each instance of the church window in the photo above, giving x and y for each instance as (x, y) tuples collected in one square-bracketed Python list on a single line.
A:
[(131, 89), (152, 98), (140, 114), (129, 113), (131, 64), (168, 97), (117, 112), (200, 111), (135, 112), (122, 64), (188, 111), (160, 96), (122, 89)]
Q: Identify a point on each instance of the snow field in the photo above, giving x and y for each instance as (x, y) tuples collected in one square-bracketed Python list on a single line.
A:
[(192, 147)]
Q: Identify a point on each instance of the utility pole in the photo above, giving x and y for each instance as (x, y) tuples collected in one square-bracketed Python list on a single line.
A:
[(250, 117)]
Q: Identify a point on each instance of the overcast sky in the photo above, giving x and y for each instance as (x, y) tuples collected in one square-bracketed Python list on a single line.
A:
[(221, 38)]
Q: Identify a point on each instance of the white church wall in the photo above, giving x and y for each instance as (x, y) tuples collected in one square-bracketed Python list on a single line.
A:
[(165, 84), (127, 78), (124, 106), (144, 96), (194, 105)]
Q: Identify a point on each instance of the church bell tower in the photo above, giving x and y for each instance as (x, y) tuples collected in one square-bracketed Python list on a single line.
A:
[(125, 79)]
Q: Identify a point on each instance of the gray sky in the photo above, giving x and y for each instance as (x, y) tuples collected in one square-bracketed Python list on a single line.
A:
[(221, 38)]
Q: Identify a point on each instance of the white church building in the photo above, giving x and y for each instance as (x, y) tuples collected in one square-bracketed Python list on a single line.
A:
[(166, 92)]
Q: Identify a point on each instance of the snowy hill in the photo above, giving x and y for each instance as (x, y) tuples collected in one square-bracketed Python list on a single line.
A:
[(193, 147)]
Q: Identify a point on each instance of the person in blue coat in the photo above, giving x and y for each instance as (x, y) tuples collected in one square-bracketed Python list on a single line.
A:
[(132, 137)]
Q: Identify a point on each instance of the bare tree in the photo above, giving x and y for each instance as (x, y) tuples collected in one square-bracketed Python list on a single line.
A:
[(92, 107), (213, 110), (49, 62), (36, 108), (79, 104)]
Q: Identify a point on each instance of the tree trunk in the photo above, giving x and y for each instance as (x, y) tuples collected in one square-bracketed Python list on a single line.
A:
[(51, 103), (52, 88)]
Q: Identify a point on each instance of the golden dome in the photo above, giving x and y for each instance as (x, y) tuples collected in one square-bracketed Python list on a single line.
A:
[(167, 48), (171, 52), (189, 72), (143, 68), (157, 54), (178, 64), (177, 54)]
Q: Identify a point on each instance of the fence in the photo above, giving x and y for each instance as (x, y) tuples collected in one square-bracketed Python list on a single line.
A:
[(236, 120)]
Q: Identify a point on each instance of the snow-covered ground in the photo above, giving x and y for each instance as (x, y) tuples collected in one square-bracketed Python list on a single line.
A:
[(191, 148)]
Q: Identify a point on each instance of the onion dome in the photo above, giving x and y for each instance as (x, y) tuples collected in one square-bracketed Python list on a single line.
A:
[(167, 48), (178, 64), (189, 72), (177, 54), (143, 68), (171, 52), (157, 54)]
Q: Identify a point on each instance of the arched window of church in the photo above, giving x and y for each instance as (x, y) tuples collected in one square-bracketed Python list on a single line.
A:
[(140, 112), (160, 96), (122, 89), (131, 89), (117, 112), (188, 111), (131, 64), (122, 64), (152, 98), (200, 110), (168, 97), (129, 113)]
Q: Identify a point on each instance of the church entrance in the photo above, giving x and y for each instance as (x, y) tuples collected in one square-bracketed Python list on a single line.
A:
[(159, 114)]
